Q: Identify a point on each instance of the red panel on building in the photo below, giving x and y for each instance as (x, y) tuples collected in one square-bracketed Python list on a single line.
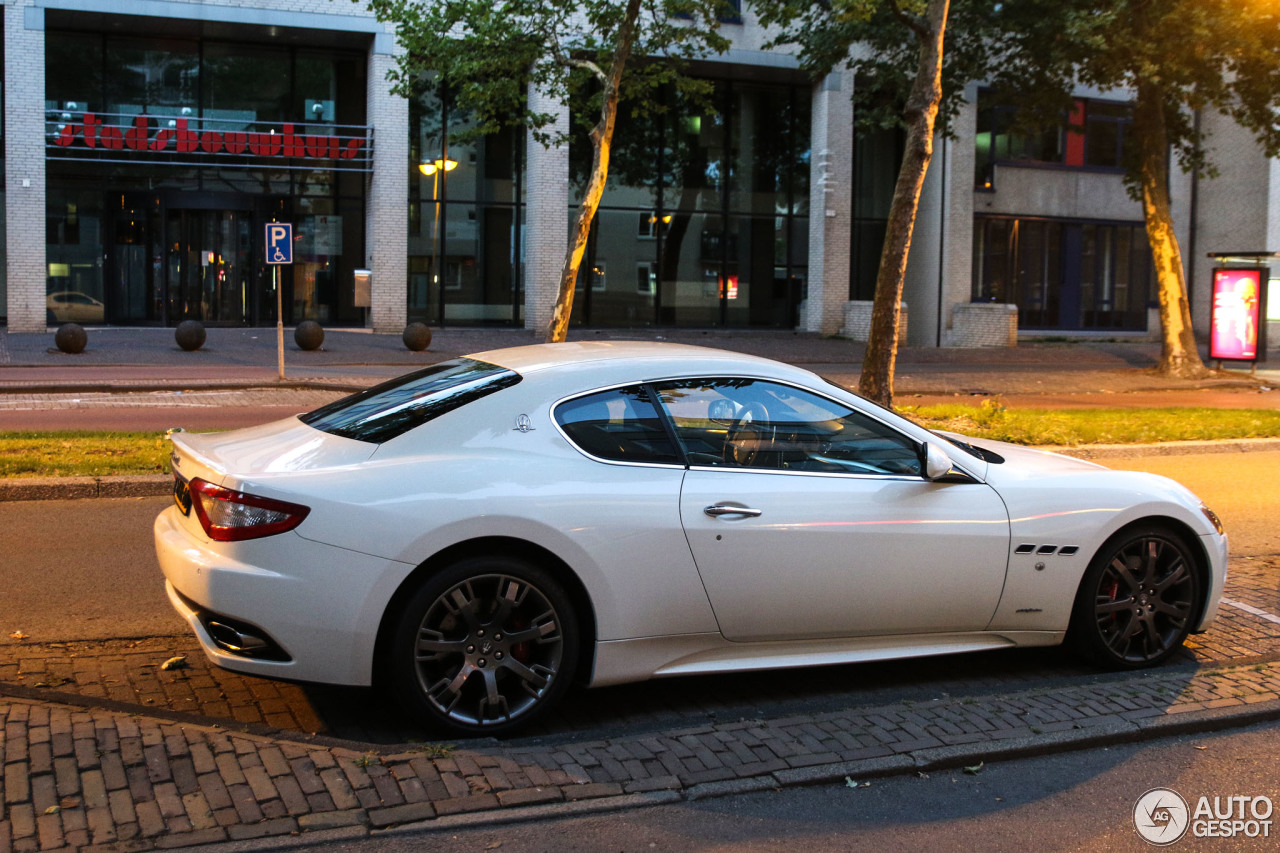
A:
[(1075, 135)]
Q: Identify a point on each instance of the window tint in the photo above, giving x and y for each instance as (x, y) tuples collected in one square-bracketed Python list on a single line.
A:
[(746, 423), (620, 424), (393, 408)]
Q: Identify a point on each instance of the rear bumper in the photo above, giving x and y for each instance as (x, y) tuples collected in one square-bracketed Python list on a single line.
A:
[(320, 604)]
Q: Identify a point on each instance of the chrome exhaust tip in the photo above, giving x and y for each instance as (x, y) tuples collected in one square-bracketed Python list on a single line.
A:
[(236, 641)]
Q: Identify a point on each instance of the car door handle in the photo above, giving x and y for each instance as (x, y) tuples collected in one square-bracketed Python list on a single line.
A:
[(717, 510)]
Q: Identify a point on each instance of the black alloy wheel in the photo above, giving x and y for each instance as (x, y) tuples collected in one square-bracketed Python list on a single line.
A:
[(485, 646), (1136, 602)]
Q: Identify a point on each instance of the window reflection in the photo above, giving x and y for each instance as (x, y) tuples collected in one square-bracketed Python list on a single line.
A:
[(707, 202)]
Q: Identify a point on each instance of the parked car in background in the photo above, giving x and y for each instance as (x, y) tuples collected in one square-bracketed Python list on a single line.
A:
[(485, 531), (72, 306)]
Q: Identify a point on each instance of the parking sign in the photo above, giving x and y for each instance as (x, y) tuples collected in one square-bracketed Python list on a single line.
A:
[(279, 243)]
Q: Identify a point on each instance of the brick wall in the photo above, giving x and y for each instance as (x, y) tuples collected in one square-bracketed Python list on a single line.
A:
[(982, 324), (547, 216), (857, 320), (387, 211), (25, 170), (830, 204)]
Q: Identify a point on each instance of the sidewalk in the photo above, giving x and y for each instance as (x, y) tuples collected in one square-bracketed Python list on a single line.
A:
[(120, 359)]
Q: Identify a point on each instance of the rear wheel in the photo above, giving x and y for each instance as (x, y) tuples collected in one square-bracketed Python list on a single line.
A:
[(1136, 602), (485, 646)]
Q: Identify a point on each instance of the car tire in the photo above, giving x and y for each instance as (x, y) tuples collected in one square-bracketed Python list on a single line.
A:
[(1137, 601), (484, 647)]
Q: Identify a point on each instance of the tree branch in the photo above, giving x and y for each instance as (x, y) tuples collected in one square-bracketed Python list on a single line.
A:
[(915, 23)]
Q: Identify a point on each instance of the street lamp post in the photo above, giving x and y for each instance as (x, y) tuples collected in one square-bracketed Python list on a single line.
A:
[(436, 169)]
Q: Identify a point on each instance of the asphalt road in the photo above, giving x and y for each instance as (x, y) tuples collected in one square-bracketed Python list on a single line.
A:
[(82, 570), (86, 570), (1078, 801)]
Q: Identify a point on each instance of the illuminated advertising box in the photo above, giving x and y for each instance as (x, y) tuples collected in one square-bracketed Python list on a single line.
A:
[(1236, 332)]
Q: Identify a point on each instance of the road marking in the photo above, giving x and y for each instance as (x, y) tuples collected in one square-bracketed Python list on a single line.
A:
[(1248, 608)]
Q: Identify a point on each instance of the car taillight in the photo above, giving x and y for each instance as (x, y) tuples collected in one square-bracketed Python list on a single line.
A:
[(228, 516)]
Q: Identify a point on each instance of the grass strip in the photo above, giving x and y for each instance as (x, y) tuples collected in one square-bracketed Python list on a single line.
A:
[(83, 454), (1076, 427), (103, 454)]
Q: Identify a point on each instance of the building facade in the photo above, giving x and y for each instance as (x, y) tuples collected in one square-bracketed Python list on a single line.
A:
[(148, 143)]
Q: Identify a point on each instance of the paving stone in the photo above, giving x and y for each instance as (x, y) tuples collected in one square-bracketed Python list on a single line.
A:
[(401, 814), (264, 829)]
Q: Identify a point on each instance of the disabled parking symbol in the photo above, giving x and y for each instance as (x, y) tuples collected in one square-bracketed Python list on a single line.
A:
[(279, 243)]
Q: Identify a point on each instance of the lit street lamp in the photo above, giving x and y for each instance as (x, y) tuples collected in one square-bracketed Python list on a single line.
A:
[(434, 169)]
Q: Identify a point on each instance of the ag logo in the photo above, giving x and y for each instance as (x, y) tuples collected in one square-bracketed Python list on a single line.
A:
[(1161, 816)]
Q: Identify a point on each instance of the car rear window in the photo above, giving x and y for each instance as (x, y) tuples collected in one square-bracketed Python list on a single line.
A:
[(393, 408), (620, 424)]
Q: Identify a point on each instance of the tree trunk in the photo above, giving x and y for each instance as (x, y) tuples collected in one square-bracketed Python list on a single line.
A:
[(1179, 355), (601, 143), (876, 380)]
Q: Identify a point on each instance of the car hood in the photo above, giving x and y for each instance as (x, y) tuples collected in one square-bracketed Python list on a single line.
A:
[(1022, 462), (284, 446)]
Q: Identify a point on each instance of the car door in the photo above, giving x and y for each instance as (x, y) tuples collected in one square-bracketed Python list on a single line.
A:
[(810, 519)]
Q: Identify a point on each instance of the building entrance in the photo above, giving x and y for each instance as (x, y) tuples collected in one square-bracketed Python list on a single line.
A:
[(185, 256)]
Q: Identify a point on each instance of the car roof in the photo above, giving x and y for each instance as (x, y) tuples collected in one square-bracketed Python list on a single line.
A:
[(576, 354)]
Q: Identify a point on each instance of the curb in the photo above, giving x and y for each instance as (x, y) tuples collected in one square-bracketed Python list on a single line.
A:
[(80, 488), (108, 387)]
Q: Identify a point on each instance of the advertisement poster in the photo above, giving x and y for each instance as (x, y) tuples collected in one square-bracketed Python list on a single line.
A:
[(1235, 315)]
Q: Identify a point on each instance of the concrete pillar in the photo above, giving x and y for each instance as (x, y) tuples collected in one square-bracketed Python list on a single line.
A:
[(546, 225), (24, 136), (830, 204), (940, 266), (387, 214)]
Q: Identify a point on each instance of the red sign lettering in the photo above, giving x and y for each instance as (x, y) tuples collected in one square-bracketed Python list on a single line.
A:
[(92, 133)]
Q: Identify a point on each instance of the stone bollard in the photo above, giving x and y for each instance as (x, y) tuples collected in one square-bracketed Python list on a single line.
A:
[(190, 335), (417, 336), (309, 335), (71, 338)]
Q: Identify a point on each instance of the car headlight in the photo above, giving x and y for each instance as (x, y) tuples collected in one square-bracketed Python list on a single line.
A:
[(1213, 518)]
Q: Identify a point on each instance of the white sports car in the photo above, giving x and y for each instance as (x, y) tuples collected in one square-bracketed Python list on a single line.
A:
[(484, 531)]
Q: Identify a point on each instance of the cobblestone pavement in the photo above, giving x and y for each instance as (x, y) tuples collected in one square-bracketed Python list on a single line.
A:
[(103, 748)]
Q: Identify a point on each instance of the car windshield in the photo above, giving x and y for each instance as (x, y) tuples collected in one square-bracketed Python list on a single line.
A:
[(393, 408)]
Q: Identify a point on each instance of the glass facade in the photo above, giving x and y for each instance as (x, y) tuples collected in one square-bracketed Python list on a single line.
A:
[(704, 219), (1092, 135), (465, 218), (877, 157), (166, 158), (1064, 275)]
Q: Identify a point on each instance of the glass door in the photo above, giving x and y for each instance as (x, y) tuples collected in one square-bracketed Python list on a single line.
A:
[(135, 281), (209, 265)]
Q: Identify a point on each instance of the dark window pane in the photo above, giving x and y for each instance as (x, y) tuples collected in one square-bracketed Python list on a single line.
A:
[(247, 84), (1102, 143), (73, 73), (620, 425), (393, 408)]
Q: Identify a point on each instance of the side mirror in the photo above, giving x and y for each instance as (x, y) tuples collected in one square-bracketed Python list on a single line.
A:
[(937, 464)]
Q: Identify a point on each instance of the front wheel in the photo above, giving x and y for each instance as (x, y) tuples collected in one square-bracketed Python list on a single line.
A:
[(485, 646), (1136, 602)]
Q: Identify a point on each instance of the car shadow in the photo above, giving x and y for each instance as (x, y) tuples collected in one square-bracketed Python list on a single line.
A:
[(371, 715)]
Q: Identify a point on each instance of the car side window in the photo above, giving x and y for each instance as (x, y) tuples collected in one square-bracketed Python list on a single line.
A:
[(620, 425), (748, 423)]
